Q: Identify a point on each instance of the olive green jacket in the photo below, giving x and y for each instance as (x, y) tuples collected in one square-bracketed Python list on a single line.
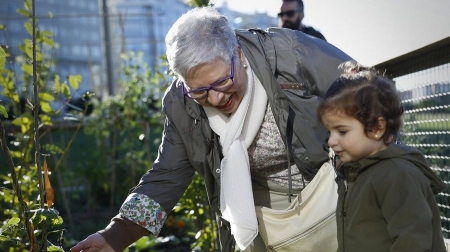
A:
[(387, 203), (277, 56)]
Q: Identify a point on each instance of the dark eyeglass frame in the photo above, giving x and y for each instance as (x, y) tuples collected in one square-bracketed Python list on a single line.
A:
[(289, 13), (212, 86)]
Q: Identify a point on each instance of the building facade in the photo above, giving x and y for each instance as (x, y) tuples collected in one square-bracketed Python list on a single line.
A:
[(92, 35), (76, 29)]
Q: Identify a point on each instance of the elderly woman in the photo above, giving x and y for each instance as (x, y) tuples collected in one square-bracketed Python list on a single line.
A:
[(227, 117)]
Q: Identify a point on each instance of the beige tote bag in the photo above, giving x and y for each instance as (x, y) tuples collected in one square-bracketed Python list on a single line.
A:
[(309, 223)]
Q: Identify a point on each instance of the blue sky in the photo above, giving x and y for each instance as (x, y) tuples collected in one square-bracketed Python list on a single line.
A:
[(370, 31)]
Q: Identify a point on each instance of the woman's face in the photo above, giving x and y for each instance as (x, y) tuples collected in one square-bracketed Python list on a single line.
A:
[(205, 75)]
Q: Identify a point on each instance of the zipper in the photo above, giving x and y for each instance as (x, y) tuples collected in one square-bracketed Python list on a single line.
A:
[(344, 214), (313, 227)]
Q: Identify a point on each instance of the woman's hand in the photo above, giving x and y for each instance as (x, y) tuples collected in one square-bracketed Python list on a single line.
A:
[(93, 243)]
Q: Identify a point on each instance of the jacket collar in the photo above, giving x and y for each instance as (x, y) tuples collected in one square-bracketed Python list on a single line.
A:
[(397, 151), (352, 170)]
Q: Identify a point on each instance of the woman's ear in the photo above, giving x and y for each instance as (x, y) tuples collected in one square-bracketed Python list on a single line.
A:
[(379, 130)]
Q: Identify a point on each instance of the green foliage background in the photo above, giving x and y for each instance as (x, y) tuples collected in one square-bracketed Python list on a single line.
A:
[(93, 160)]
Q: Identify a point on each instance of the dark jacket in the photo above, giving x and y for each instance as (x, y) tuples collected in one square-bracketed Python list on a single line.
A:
[(387, 203), (277, 56), (313, 32)]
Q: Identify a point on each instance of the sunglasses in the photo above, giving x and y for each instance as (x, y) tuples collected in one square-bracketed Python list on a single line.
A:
[(289, 13)]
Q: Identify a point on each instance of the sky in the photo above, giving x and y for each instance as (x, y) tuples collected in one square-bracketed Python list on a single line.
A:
[(370, 31)]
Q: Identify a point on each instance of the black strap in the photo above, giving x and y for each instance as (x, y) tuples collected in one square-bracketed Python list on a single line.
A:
[(289, 133)]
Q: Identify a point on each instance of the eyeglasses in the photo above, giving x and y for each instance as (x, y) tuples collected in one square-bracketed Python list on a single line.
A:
[(219, 86), (289, 13)]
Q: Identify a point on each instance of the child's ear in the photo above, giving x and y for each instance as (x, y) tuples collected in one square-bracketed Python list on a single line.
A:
[(378, 131)]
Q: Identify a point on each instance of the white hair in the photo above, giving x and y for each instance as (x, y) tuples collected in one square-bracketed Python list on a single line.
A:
[(199, 36)]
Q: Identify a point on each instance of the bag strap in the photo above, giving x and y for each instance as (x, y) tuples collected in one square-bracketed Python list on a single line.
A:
[(289, 133)]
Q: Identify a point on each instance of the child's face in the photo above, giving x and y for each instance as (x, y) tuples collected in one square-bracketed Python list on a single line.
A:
[(347, 138)]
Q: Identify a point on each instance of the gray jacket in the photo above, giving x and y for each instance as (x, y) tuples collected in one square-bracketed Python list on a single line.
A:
[(277, 56)]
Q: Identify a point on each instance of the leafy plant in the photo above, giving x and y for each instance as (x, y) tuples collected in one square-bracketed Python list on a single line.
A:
[(121, 126), (29, 108), (199, 3)]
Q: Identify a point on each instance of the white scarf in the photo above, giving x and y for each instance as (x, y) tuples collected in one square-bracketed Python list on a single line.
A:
[(236, 134)]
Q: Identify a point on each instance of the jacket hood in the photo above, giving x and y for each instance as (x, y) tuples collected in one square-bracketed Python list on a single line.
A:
[(399, 151)]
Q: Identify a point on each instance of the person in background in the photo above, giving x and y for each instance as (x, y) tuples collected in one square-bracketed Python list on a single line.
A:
[(227, 114), (291, 15), (386, 190)]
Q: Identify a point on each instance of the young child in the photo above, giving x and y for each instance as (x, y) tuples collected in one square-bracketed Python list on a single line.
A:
[(386, 190)]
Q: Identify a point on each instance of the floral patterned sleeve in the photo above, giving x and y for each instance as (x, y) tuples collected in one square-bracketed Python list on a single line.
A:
[(144, 211)]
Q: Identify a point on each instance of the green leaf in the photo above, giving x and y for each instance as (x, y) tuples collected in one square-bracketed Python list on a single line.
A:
[(46, 97), (8, 82), (24, 12), (53, 149), (29, 27), (26, 120), (2, 61), (45, 106), (57, 221), (3, 112), (18, 121), (2, 27), (50, 14), (14, 97), (38, 56), (11, 223), (27, 4), (25, 128), (160, 76), (177, 209), (4, 238), (42, 214), (54, 248), (144, 243), (74, 81), (2, 52), (27, 69), (16, 154), (46, 120), (88, 95), (65, 90), (48, 41), (29, 50), (57, 84), (47, 33)]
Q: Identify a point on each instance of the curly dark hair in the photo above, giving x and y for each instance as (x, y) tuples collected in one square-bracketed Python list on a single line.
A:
[(364, 94)]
